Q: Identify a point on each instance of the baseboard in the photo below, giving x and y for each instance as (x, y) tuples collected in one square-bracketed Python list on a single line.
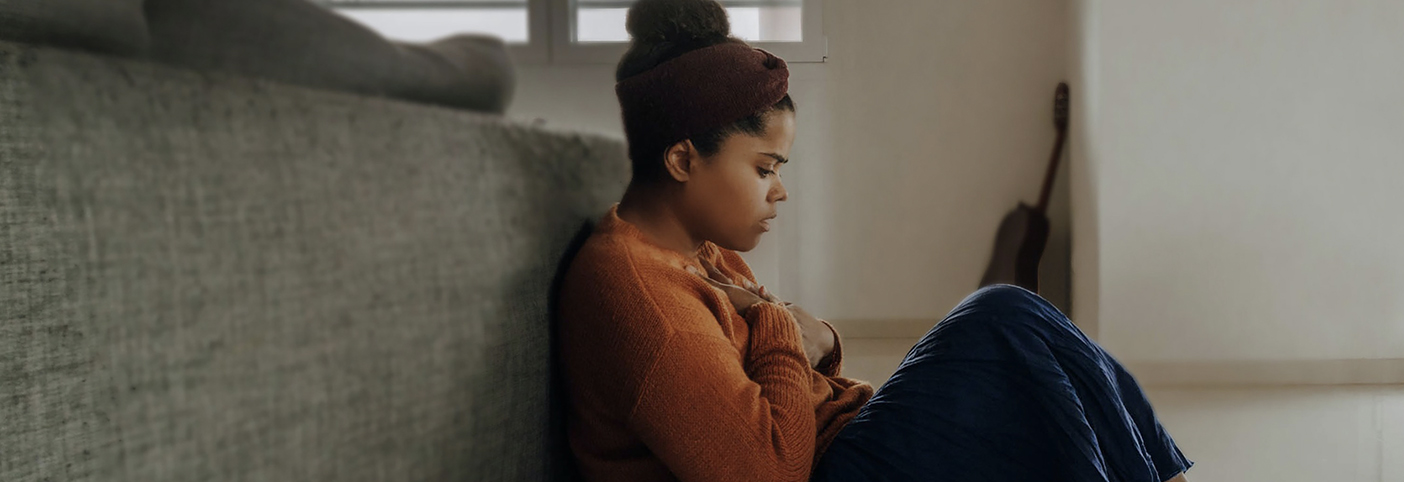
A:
[(1207, 373), (1382, 371), (889, 328)]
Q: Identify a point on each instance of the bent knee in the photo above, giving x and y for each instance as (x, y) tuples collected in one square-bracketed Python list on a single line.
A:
[(1004, 295), (1009, 304)]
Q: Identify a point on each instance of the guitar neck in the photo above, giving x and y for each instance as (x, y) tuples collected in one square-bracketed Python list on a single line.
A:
[(1052, 174)]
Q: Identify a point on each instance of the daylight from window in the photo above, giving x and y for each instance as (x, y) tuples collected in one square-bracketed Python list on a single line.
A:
[(752, 24), (595, 21)]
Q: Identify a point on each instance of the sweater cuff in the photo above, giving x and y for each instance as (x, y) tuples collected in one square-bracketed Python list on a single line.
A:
[(833, 362)]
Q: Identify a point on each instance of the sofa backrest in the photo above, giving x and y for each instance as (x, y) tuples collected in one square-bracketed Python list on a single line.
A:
[(213, 278), (114, 27)]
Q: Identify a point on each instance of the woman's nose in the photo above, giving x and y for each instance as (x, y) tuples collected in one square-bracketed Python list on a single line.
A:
[(779, 193)]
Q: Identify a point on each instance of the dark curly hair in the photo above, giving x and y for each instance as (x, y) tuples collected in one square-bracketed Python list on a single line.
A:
[(662, 30)]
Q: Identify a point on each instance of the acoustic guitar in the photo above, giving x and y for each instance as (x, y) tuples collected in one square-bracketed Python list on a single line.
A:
[(1023, 234)]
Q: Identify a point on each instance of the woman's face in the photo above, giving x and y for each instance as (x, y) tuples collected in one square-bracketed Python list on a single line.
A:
[(730, 196)]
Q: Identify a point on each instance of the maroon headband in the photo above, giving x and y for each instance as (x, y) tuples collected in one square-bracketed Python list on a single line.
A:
[(701, 90)]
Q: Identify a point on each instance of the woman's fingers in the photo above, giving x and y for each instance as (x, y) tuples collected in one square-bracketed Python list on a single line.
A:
[(765, 293), (712, 281), (715, 273), (742, 294)]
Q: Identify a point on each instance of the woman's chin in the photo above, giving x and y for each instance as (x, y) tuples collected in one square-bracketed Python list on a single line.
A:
[(741, 244)]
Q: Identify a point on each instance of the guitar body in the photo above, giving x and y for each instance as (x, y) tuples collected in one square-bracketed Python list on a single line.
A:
[(1023, 234), (1019, 245)]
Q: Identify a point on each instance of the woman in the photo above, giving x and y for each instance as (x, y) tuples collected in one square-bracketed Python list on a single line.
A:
[(679, 367)]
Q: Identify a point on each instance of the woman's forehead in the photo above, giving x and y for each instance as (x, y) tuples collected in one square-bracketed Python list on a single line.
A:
[(772, 147)]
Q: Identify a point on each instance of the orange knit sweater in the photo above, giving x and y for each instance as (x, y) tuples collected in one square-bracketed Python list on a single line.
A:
[(667, 382)]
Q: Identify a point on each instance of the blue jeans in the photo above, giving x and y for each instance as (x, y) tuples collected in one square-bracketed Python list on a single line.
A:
[(1005, 389)]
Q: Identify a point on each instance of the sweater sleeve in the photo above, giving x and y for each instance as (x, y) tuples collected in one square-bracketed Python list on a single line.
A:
[(832, 364), (709, 417)]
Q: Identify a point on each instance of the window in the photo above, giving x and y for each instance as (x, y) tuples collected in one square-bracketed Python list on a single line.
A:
[(579, 31), (419, 21), (751, 20)]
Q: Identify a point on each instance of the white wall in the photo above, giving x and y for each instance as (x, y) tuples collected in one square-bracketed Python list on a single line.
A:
[(930, 120), (941, 120), (1243, 166), (1287, 434)]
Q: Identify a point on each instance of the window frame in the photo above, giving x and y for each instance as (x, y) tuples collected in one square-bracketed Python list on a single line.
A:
[(550, 34), (564, 50), (537, 50)]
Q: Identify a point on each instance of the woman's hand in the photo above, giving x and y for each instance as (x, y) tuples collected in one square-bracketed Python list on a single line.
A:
[(741, 298), (817, 339)]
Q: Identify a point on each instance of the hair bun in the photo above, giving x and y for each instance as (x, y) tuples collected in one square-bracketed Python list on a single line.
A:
[(677, 21)]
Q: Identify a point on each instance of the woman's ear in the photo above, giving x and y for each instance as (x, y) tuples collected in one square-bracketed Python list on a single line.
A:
[(679, 159)]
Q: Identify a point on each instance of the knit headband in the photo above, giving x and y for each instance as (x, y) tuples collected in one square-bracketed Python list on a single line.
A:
[(701, 90)]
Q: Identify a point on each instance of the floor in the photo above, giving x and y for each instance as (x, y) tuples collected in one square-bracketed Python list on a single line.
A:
[(1341, 433)]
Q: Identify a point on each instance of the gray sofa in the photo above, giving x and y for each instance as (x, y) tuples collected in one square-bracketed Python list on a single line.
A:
[(212, 278)]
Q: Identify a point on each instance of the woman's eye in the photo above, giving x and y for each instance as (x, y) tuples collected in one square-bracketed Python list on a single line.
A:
[(764, 172)]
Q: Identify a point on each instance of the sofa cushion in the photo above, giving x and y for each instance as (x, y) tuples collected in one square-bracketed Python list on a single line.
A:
[(471, 71), (208, 277), (105, 26), (298, 42)]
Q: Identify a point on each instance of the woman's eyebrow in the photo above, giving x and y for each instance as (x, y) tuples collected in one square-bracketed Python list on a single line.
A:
[(778, 158)]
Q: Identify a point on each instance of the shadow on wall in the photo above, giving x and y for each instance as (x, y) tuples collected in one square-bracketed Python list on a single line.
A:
[(563, 463)]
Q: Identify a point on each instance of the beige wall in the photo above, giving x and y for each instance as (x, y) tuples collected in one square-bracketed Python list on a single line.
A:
[(1245, 164), (941, 115), (930, 120)]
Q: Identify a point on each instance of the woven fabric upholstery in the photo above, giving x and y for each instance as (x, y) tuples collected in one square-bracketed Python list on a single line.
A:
[(214, 278)]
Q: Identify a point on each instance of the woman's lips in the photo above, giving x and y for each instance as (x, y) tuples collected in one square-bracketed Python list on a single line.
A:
[(765, 223)]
